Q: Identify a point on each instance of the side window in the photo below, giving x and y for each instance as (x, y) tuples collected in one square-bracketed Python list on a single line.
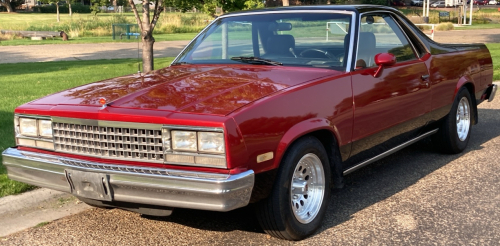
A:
[(379, 33)]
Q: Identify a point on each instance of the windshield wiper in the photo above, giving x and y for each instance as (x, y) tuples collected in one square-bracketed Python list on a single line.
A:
[(256, 60), (179, 63)]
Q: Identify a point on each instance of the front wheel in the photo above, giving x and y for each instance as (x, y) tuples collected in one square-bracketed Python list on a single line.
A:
[(454, 133), (298, 201)]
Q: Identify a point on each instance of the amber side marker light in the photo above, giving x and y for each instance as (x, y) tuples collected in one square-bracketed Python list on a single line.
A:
[(265, 157)]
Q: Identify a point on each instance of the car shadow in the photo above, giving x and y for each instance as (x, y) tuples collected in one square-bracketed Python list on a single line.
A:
[(363, 188)]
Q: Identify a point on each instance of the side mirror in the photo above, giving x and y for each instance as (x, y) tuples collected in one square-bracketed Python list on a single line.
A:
[(383, 59)]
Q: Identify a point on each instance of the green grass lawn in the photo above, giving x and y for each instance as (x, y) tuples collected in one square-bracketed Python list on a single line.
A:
[(87, 28), (478, 26), (102, 39), (24, 82), (495, 55)]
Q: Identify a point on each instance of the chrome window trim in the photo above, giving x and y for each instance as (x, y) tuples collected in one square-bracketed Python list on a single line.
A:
[(391, 15), (347, 12)]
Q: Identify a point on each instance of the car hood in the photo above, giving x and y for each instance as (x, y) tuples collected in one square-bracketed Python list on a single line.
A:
[(215, 90)]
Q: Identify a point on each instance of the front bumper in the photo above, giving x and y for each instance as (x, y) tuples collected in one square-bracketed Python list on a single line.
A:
[(151, 186)]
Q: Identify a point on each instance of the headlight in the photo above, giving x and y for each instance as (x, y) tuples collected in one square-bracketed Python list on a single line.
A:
[(33, 131), (194, 146), (27, 127), (184, 141), (45, 128), (212, 142)]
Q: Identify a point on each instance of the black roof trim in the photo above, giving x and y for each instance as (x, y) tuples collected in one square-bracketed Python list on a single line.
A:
[(356, 8)]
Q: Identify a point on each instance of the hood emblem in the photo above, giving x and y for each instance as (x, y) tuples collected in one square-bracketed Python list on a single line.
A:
[(102, 101)]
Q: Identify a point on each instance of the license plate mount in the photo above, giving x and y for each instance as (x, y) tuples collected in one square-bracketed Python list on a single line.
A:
[(89, 185)]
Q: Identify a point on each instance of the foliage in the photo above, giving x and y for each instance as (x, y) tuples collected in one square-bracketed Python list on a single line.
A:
[(209, 6), (254, 4), (97, 4), (184, 5), (447, 26), (377, 2), (76, 8), (13, 3)]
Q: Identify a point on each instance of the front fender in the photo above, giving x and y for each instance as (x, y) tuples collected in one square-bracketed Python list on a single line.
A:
[(299, 130)]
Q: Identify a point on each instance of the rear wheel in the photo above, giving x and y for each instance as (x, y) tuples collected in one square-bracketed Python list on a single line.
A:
[(298, 201), (454, 133)]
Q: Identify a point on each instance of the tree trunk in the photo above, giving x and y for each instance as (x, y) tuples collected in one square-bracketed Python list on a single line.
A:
[(115, 5), (6, 4), (286, 3), (70, 12), (147, 53), (147, 39), (57, 8)]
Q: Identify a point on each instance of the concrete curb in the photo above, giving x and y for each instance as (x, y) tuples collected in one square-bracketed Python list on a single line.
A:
[(19, 212)]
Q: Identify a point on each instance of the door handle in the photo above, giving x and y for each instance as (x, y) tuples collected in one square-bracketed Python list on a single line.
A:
[(425, 78)]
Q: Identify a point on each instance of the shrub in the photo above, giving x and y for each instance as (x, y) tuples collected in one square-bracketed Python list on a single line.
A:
[(76, 8), (444, 26)]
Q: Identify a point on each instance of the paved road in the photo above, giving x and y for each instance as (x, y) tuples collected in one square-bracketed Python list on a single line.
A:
[(71, 52), (416, 196), (468, 36)]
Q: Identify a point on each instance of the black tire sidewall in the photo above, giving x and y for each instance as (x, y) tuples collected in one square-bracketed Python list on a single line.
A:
[(292, 226), (456, 144)]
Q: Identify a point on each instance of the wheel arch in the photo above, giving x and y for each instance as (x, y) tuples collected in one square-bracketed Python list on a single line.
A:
[(325, 133), (468, 83)]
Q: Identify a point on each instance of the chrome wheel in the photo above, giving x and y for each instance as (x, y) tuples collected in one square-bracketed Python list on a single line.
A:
[(307, 188), (463, 119)]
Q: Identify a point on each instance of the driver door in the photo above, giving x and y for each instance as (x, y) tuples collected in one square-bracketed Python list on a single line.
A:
[(390, 108)]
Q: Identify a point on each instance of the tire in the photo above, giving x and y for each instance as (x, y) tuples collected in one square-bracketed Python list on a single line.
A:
[(454, 133), (305, 165)]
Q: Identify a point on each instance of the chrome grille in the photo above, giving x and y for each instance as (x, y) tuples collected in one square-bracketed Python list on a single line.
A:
[(124, 141)]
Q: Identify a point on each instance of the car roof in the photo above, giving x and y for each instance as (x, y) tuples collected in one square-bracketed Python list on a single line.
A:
[(356, 8)]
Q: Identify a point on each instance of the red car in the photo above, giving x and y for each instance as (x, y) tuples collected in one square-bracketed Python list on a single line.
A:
[(262, 107), (480, 2)]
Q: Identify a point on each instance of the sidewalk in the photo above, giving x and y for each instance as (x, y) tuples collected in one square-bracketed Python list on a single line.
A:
[(71, 52)]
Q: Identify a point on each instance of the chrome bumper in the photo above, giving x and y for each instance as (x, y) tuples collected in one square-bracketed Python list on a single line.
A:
[(492, 93), (152, 186)]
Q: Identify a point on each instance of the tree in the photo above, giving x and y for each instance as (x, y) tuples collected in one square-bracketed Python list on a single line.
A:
[(57, 7), (6, 4), (147, 25), (69, 7)]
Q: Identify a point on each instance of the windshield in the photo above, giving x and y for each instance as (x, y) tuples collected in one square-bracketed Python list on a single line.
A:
[(287, 39)]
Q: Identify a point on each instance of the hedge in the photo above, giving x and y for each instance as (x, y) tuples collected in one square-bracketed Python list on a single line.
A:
[(76, 8)]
